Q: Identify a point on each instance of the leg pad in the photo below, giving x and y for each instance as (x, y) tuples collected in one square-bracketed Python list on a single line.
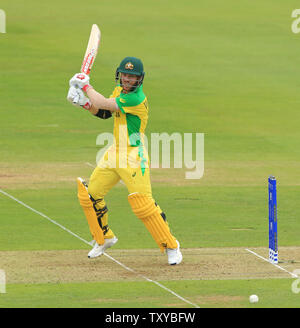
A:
[(146, 210), (89, 211)]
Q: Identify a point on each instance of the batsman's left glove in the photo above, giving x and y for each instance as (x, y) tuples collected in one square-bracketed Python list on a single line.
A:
[(80, 80)]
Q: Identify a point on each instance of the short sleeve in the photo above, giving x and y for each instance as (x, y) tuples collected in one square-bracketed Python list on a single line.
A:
[(127, 102)]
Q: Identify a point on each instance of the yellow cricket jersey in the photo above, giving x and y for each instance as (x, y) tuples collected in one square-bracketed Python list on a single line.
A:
[(130, 122)]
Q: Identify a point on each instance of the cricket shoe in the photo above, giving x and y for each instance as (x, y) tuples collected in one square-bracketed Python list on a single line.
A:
[(174, 255), (100, 249)]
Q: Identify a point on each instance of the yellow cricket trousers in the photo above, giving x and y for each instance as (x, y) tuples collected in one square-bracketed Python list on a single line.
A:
[(132, 167)]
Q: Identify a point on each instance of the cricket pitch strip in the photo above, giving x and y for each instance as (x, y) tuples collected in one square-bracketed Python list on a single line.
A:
[(198, 264)]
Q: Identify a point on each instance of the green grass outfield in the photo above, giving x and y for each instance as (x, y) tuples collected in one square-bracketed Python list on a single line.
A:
[(210, 294), (227, 69)]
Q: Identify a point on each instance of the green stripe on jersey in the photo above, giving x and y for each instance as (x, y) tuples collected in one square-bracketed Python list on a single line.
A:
[(133, 128)]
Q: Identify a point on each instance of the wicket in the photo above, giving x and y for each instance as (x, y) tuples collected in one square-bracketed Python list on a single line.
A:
[(273, 242)]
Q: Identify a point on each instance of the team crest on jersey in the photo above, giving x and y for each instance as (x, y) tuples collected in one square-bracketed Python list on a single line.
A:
[(129, 65)]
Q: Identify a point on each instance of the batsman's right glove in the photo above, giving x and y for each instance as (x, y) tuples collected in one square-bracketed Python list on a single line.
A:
[(77, 98)]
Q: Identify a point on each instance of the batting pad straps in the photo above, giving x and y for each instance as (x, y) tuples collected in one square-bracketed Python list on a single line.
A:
[(89, 211), (145, 209)]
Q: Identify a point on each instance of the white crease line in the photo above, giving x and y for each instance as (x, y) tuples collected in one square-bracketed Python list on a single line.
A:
[(150, 280), (86, 242), (44, 216), (275, 265)]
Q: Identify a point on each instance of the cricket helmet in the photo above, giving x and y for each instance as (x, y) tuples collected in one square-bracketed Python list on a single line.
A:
[(131, 65)]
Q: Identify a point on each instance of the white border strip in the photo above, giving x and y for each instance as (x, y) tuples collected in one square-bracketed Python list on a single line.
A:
[(86, 242), (275, 265)]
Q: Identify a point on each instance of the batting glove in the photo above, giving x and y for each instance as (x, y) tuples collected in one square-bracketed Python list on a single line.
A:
[(80, 80), (77, 98)]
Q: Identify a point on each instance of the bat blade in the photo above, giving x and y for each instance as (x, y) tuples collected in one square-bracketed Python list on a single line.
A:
[(91, 50)]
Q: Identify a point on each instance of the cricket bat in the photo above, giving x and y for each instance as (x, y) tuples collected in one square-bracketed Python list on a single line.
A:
[(91, 51)]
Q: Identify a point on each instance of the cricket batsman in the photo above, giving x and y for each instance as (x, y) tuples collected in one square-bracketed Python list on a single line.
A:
[(125, 160)]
